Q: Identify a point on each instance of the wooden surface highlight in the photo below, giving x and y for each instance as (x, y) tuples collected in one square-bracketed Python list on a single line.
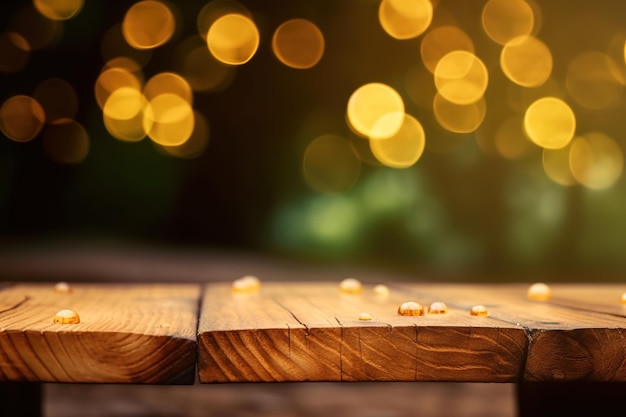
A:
[(576, 336), (311, 332), (127, 334), (299, 331)]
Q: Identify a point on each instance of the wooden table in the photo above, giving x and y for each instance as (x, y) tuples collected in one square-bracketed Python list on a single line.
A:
[(572, 346)]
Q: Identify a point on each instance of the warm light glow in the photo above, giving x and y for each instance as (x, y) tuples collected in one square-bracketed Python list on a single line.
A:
[(215, 9), (123, 114), (330, 164), (58, 99), (510, 140), (197, 142), (550, 123), (557, 167), (201, 70), (66, 141), (459, 118), (405, 19), (504, 20), (592, 80), (148, 24), (526, 61), (233, 39), (596, 160), (369, 103), (38, 31), (298, 43), (441, 41), (14, 53), (461, 77), (168, 82), (21, 118), (401, 149), (59, 9), (111, 80), (114, 46), (169, 120)]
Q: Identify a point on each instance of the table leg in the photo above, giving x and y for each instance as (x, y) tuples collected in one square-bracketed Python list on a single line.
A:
[(20, 399), (539, 399)]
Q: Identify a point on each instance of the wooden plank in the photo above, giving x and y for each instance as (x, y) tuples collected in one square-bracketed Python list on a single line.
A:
[(311, 332), (577, 336), (127, 334)]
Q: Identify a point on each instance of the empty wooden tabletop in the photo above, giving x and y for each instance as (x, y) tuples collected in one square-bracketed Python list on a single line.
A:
[(312, 332), (125, 334)]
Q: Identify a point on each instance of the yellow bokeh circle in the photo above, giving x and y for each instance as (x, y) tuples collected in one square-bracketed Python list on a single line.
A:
[(233, 39), (371, 102), (461, 77), (550, 123)]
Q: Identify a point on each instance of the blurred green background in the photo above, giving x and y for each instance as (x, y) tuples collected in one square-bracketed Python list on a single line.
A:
[(463, 207)]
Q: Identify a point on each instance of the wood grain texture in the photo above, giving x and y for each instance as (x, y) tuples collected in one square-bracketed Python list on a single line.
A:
[(577, 336), (311, 332), (127, 334)]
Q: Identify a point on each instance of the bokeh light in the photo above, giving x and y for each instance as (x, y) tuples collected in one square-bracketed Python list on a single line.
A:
[(58, 9), (550, 123), (199, 67), (21, 118), (594, 80), (168, 82), (58, 99), (526, 61), (66, 141), (596, 160), (197, 143), (298, 43), (215, 9), (38, 31), (459, 118), (233, 39), (113, 46), (556, 164), (405, 19), (123, 114), (442, 40), (111, 80), (330, 165), (502, 89), (504, 20), (371, 102), (169, 119), (461, 77), (148, 24), (14, 53), (401, 149)]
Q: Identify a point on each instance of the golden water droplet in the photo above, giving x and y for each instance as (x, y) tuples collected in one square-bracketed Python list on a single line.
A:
[(479, 311), (248, 283), (365, 316), (164, 325), (437, 308), (623, 298), (539, 292), (381, 290), (62, 288), (411, 308), (351, 286), (66, 316)]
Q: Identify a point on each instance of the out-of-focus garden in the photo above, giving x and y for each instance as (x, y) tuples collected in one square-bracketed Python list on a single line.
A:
[(479, 137)]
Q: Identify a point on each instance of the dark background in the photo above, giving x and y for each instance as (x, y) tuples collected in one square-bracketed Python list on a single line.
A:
[(459, 209)]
